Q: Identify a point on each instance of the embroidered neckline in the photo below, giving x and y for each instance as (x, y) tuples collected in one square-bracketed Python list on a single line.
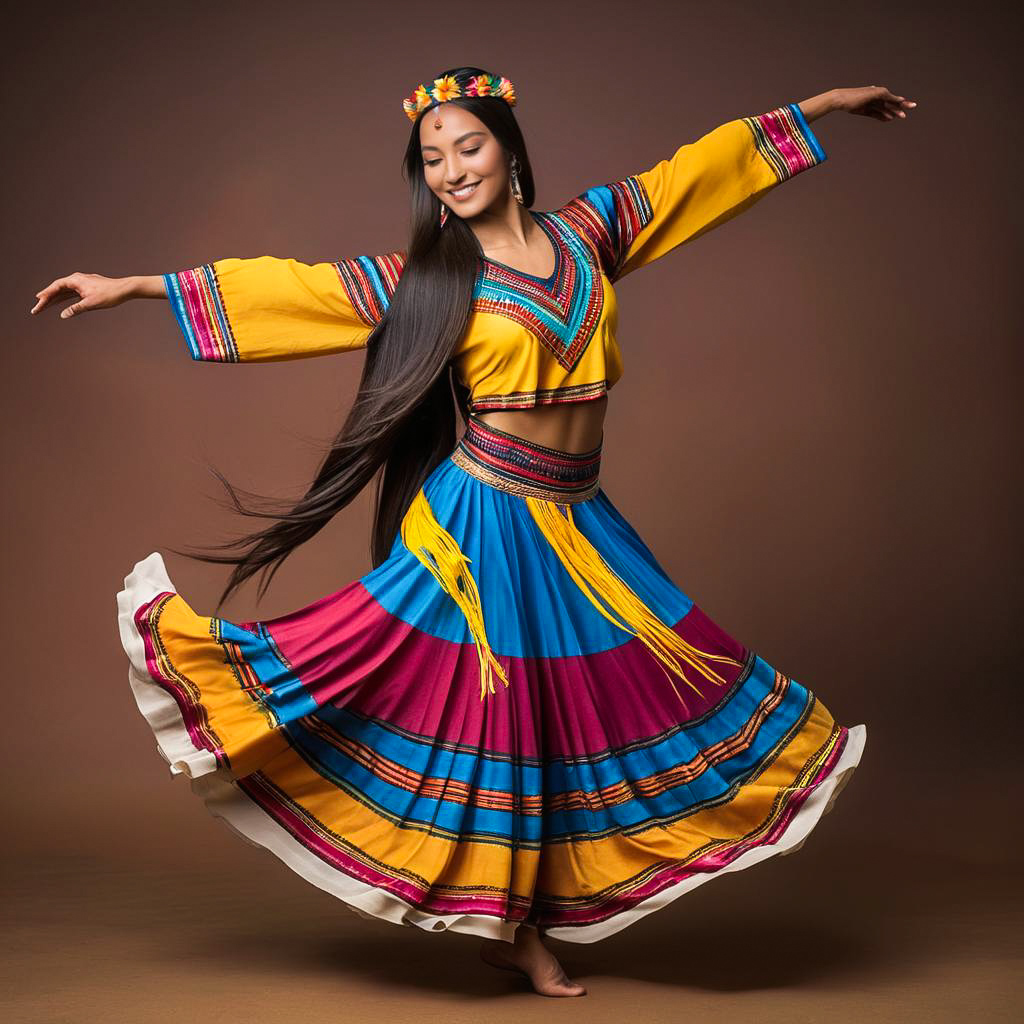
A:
[(539, 219), (562, 310)]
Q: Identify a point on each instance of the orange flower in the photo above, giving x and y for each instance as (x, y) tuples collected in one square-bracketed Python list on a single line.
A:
[(445, 88), (413, 104), (506, 91)]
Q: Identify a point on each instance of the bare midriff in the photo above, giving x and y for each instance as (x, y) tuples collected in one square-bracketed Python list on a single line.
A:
[(567, 426)]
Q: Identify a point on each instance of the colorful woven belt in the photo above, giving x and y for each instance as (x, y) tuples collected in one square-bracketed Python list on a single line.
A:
[(512, 463)]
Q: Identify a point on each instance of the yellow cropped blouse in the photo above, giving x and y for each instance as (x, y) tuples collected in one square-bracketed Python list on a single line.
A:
[(529, 340)]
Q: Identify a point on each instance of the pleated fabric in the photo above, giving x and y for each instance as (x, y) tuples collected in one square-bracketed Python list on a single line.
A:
[(518, 717)]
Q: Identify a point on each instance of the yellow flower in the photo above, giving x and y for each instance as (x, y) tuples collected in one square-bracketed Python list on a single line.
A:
[(445, 88)]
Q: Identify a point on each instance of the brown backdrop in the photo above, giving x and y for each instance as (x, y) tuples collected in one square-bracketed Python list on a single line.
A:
[(816, 434)]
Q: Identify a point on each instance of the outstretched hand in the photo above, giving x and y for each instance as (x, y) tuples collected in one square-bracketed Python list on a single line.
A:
[(873, 101), (94, 291)]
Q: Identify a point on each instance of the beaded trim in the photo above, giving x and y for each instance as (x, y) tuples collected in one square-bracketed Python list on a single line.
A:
[(785, 140), (199, 308), (541, 396), (519, 488), (511, 463)]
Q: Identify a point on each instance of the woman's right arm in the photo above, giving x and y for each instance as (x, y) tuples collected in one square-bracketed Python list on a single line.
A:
[(266, 308), (95, 291)]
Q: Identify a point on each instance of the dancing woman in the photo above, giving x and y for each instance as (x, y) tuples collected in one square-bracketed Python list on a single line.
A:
[(516, 724)]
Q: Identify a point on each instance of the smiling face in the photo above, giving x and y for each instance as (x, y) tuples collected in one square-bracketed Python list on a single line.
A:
[(463, 163)]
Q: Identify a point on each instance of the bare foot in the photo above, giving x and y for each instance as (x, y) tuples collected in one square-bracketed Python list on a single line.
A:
[(528, 955)]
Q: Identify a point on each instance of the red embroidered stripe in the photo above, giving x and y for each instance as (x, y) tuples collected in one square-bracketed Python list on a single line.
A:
[(369, 282)]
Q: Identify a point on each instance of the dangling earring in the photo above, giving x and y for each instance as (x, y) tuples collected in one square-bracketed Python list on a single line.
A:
[(444, 214), (514, 180)]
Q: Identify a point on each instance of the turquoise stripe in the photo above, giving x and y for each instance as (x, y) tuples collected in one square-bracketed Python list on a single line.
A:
[(557, 775), (564, 329), (172, 286), (181, 313), (805, 128), (408, 805), (289, 698), (602, 200), (373, 275)]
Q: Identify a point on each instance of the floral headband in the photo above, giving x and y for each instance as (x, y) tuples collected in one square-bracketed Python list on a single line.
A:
[(449, 87)]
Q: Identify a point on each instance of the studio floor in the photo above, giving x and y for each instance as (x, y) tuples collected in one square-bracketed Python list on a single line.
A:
[(879, 935)]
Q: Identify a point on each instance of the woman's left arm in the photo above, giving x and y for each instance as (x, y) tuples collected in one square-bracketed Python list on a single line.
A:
[(637, 220)]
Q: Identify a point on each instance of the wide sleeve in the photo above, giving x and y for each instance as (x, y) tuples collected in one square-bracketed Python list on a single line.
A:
[(636, 220), (245, 310)]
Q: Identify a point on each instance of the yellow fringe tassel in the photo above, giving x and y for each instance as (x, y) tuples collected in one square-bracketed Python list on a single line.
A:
[(586, 566), (438, 550)]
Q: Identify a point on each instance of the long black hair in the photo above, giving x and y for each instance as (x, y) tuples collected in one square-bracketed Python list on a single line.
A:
[(402, 422)]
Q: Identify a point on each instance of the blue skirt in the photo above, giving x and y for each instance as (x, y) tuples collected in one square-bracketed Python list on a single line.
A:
[(517, 718)]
